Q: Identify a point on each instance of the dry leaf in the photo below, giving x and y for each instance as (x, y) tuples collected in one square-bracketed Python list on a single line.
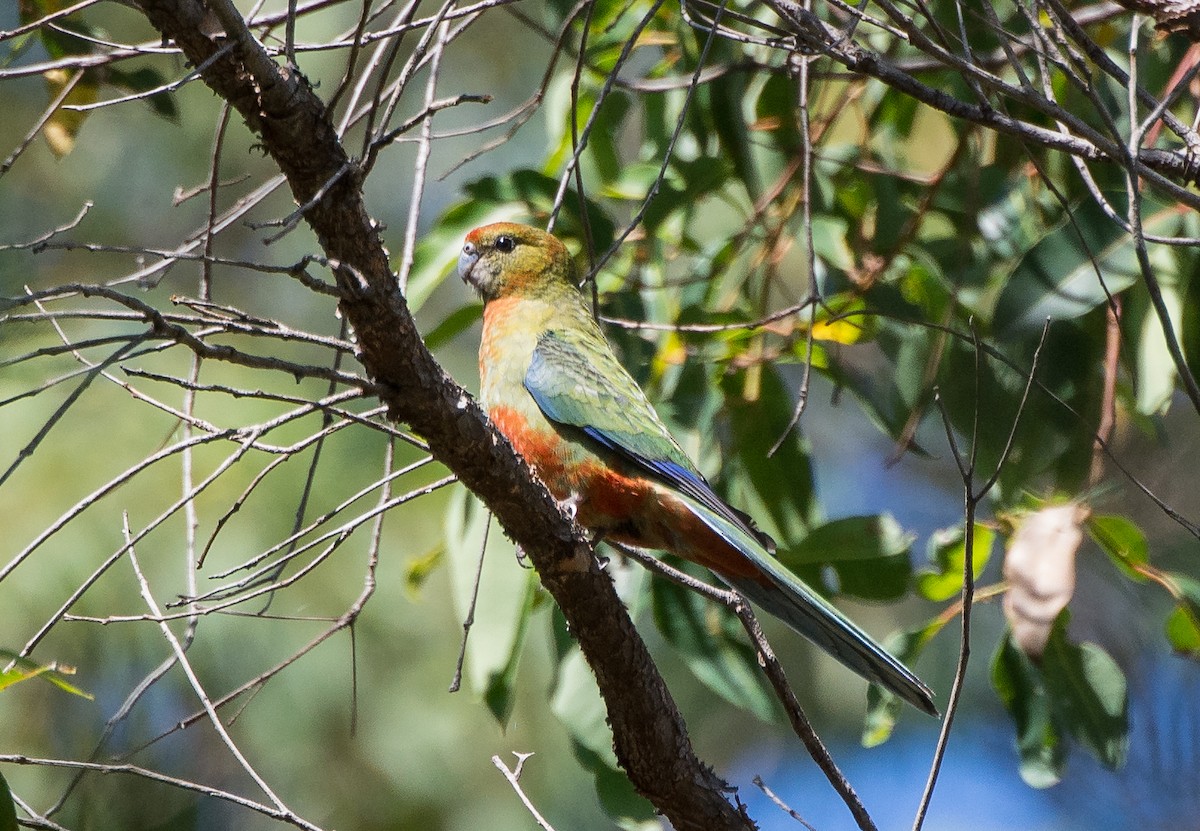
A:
[(1040, 568)]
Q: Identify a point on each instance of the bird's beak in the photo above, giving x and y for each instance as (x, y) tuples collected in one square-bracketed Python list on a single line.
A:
[(466, 261)]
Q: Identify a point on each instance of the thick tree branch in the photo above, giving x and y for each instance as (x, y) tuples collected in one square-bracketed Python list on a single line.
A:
[(279, 105)]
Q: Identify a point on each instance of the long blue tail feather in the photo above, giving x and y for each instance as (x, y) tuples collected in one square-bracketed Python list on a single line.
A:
[(812, 616)]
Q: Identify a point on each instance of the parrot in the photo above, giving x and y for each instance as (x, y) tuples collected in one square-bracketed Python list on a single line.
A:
[(552, 385)]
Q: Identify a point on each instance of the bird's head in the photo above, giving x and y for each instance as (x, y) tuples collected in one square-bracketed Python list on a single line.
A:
[(506, 258)]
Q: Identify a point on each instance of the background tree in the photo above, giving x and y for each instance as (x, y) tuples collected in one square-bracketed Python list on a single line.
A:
[(230, 493)]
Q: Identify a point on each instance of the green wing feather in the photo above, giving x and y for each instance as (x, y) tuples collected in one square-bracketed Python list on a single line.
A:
[(577, 381)]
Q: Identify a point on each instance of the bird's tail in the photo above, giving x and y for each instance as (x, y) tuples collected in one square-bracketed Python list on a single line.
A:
[(814, 618), (784, 596)]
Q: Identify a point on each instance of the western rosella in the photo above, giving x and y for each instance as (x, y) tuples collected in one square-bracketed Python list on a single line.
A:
[(553, 386)]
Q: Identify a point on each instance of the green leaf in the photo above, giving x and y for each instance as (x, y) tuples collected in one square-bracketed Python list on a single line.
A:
[(503, 605), (417, 569), (948, 552), (1122, 541), (1156, 374), (453, 325), (776, 490), (1183, 624), (64, 125), (725, 97), (63, 39), (1183, 631), (1188, 587), (884, 388), (1088, 693), (775, 112), (1057, 278), (1189, 331), (1077, 690), (869, 554), (603, 144), (831, 243), (883, 708), (23, 669), (8, 808), (709, 638), (623, 804), (143, 80), (530, 194), (1021, 690), (854, 538), (577, 703)]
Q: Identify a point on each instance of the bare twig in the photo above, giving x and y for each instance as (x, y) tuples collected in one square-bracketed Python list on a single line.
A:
[(469, 620), (514, 777), (774, 671), (972, 496)]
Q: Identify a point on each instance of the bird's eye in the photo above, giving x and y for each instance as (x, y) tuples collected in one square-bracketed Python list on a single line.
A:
[(505, 243)]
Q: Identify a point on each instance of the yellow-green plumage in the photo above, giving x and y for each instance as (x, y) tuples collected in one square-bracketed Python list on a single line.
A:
[(552, 384)]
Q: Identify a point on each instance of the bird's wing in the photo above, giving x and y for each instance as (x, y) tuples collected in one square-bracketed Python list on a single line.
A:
[(577, 381)]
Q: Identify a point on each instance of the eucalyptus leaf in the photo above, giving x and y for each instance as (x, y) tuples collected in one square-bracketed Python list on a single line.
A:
[(623, 804), (1076, 690), (884, 376), (1040, 742), (1088, 693), (948, 553), (140, 81), (1156, 373), (726, 95), (866, 537), (1183, 624), (577, 703), (23, 669), (1123, 541), (775, 112), (453, 325), (776, 490), (868, 554), (1183, 631), (1075, 268)]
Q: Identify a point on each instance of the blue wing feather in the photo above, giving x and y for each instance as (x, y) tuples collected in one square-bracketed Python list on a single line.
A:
[(579, 384), (594, 393)]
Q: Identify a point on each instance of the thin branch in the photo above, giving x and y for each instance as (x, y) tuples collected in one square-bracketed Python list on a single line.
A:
[(513, 777), (971, 500), (154, 776), (779, 803), (198, 688), (774, 671), (469, 621)]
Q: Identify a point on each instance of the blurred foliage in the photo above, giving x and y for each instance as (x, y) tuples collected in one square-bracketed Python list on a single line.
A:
[(916, 272), (75, 90), (1074, 690), (943, 262), (19, 669)]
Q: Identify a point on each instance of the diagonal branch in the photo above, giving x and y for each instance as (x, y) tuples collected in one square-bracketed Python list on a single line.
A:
[(280, 106)]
